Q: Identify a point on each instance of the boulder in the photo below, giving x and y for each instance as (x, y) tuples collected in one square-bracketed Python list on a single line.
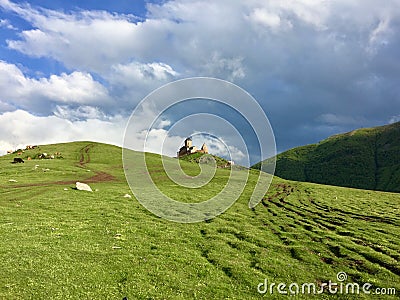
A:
[(83, 187)]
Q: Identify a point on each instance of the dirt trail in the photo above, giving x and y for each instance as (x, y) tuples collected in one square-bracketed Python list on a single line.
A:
[(84, 159), (85, 153)]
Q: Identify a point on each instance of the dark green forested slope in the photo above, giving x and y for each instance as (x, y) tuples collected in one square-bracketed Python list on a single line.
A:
[(367, 158)]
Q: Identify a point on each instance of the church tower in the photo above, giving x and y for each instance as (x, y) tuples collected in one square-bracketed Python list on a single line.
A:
[(204, 148), (188, 142)]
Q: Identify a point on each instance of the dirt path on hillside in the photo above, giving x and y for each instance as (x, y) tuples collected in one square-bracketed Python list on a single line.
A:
[(84, 158), (85, 155)]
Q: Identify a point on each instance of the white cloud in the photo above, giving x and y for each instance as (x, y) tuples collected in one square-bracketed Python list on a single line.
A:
[(231, 68), (38, 94), (95, 41), (313, 12), (340, 120), (186, 34), (379, 36), (223, 149), (134, 73), (81, 112), (126, 85), (263, 17), (76, 87), (158, 141), (394, 119), (299, 58), (4, 106), (85, 40), (20, 128), (6, 24)]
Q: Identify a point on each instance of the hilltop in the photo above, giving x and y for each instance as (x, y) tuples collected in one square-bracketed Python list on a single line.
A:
[(366, 158), (60, 243), (197, 158)]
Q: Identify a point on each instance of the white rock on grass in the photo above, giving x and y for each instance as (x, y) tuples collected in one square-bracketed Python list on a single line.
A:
[(127, 196), (65, 189), (12, 180), (83, 187)]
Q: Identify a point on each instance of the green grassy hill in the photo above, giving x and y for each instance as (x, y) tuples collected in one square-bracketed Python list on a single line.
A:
[(60, 243), (367, 158), (196, 158)]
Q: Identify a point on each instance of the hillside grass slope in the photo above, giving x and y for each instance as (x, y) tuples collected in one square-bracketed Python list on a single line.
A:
[(60, 243), (202, 158), (367, 158)]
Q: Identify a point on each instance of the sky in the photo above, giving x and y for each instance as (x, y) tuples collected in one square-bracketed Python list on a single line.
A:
[(76, 70)]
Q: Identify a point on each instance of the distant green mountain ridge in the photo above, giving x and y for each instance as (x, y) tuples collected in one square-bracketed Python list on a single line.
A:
[(367, 158)]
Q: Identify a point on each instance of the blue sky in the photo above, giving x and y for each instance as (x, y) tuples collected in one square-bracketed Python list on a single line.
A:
[(74, 70), (44, 66)]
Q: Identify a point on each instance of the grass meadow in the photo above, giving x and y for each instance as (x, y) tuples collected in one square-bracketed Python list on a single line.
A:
[(60, 243)]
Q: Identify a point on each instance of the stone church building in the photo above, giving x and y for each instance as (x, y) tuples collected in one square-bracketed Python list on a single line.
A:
[(188, 148)]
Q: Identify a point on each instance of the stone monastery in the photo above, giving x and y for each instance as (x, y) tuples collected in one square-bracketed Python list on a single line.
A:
[(188, 148)]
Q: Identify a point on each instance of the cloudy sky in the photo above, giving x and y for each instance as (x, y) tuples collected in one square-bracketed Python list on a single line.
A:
[(75, 70)]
